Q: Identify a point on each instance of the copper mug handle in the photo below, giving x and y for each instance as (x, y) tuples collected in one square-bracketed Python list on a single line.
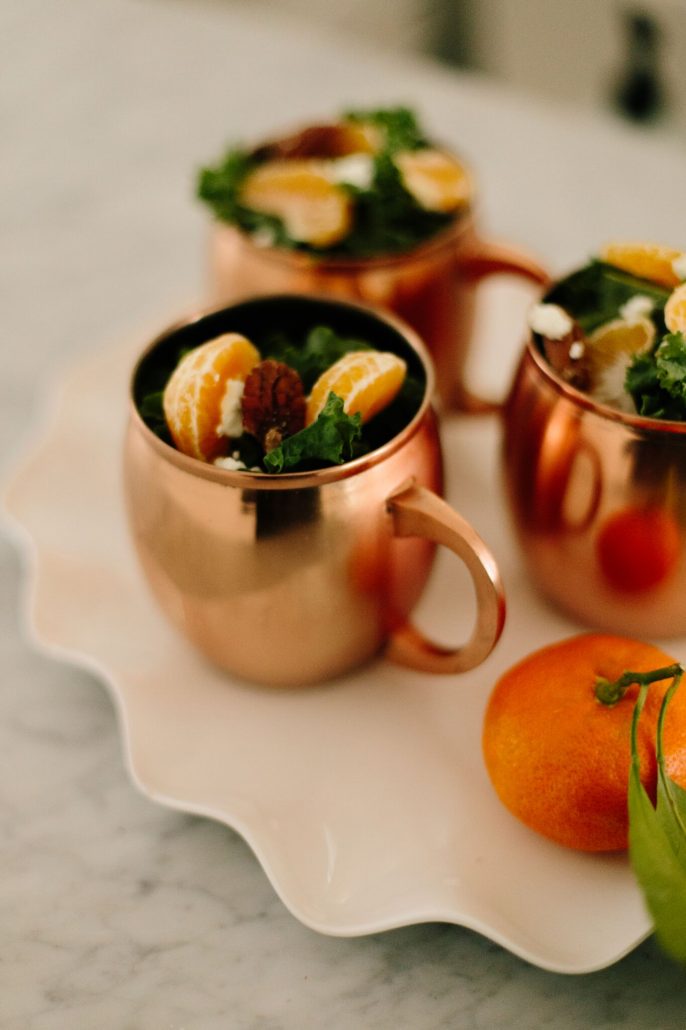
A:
[(419, 512), (483, 259)]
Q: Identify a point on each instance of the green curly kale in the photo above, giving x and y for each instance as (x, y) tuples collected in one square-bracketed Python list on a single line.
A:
[(330, 439), (321, 349), (386, 217), (657, 381)]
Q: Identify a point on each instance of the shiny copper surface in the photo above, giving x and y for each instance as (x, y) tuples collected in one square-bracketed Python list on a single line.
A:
[(583, 479), (431, 288), (296, 578)]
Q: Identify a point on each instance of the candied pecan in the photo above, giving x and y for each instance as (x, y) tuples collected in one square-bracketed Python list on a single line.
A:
[(567, 356), (327, 141), (273, 403)]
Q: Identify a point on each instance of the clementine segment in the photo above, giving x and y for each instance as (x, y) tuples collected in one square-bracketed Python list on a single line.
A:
[(194, 395), (313, 208), (649, 261), (437, 181), (675, 310), (366, 381), (608, 354), (558, 758)]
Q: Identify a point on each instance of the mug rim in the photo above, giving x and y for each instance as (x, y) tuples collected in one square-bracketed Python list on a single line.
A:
[(246, 479), (632, 420), (306, 261)]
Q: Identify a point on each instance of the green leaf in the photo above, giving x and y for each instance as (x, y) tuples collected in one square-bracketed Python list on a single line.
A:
[(386, 218), (219, 187), (670, 359), (671, 798), (657, 381), (658, 868), (399, 124), (151, 411), (330, 439), (322, 348), (595, 293)]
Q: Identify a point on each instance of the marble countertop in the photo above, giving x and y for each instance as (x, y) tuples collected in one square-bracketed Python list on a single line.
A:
[(116, 913)]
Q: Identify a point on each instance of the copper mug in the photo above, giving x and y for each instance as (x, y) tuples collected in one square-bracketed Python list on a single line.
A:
[(598, 502), (431, 287), (296, 578)]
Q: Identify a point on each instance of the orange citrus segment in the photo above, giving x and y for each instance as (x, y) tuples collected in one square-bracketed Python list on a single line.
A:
[(195, 391), (437, 181), (675, 310), (609, 351), (366, 381), (646, 260), (313, 209), (617, 339)]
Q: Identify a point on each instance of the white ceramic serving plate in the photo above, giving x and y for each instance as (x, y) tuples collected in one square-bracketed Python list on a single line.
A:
[(365, 800)]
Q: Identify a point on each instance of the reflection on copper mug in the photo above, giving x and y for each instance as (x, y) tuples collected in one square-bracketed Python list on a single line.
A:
[(598, 499), (431, 288), (296, 578)]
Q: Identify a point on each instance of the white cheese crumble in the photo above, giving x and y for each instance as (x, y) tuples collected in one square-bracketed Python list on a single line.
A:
[(550, 320), (637, 307), (679, 266), (231, 417), (577, 349), (233, 463), (355, 170)]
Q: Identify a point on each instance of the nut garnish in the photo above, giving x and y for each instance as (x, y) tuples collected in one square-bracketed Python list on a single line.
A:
[(273, 403)]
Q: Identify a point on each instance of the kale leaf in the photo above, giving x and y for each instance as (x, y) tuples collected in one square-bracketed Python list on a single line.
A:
[(386, 217), (330, 439), (219, 187), (399, 125), (595, 293), (321, 349), (657, 381)]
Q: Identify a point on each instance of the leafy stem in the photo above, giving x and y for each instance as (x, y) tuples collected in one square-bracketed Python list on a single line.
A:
[(657, 837), (609, 692)]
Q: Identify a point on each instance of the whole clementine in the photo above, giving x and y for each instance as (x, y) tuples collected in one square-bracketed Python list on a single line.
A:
[(559, 757)]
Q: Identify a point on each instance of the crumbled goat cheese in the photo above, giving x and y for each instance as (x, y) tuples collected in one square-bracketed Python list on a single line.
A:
[(637, 307), (231, 463), (577, 349), (679, 266), (234, 464), (231, 417), (550, 320), (355, 170)]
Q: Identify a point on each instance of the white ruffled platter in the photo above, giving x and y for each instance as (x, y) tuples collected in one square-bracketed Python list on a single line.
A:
[(365, 800)]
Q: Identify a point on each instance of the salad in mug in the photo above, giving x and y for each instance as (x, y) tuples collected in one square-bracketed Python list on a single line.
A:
[(616, 329), (282, 404), (369, 183)]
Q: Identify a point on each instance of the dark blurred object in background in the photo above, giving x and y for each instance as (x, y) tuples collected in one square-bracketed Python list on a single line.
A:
[(640, 94)]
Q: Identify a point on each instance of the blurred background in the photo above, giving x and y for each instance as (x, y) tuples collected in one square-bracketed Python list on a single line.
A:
[(603, 54)]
